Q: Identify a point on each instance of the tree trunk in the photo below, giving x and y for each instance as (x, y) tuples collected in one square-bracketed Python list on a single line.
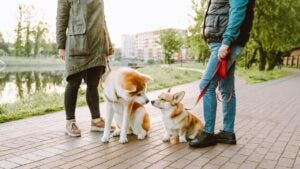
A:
[(252, 59), (262, 59), (274, 60)]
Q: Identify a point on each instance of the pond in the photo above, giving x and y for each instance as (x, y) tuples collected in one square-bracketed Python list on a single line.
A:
[(19, 82)]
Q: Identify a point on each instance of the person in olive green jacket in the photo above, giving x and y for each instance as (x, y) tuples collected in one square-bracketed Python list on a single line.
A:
[(84, 43)]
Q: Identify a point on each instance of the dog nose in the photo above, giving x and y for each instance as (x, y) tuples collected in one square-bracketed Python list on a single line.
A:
[(152, 102)]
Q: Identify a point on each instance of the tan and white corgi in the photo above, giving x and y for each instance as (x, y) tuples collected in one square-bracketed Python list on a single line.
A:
[(124, 91), (178, 122)]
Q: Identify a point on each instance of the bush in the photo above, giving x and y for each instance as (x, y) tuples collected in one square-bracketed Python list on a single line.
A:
[(150, 62)]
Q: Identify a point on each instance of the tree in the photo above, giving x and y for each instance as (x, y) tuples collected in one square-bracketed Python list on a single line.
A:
[(171, 42), (275, 30), (196, 44), (30, 33), (28, 42), (39, 32), (3, 44), (19, 39)]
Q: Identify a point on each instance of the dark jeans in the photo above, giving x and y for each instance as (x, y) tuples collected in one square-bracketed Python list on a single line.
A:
[(91, 77)]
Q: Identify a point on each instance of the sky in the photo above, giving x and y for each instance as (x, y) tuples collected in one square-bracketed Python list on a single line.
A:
[(122, 16)]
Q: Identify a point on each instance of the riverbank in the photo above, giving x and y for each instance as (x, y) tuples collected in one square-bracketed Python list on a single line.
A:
[(11, 61), (40, 103)]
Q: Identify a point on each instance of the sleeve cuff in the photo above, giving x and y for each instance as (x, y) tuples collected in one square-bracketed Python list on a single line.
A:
[(226, 42), (61, 46)]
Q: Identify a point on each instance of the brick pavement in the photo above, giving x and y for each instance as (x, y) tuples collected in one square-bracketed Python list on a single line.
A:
[(267, 129)]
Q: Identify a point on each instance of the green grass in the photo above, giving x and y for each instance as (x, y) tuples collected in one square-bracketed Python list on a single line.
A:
[(193, 65), (40, 103), (36, 104), (164, 77), (253, 75)]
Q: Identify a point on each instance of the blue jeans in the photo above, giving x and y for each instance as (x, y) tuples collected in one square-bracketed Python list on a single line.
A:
[(226, 90)]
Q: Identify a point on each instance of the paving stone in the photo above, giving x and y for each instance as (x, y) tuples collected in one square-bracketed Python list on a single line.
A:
[(268, 164), (160, 164), (248, 165), (140, 165), (230, 165), (7, 164), (19, 160), (285, 162), (181, 163)]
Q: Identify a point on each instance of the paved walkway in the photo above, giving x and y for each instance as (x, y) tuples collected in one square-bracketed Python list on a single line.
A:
[(267, 129)]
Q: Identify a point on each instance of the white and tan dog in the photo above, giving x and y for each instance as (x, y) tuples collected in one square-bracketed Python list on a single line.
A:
[(177, 120), (124, 90)]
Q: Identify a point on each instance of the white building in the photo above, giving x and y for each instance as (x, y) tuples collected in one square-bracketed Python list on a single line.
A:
[(128, 46)]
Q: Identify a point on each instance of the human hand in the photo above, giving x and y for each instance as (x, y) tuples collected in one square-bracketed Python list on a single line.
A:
[(110, 52), (224, 51), (61, 54)]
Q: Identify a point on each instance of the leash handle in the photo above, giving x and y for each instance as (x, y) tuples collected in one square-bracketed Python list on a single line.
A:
[(221, 69)]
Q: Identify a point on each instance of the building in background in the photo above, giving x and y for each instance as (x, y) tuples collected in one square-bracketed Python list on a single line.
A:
[(144, 47), (128, 47)]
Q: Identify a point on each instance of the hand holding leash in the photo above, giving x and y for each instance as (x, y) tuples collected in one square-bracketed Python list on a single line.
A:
[(224, 51)]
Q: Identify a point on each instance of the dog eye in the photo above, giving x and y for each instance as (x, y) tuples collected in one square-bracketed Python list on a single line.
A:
[(139, 94)]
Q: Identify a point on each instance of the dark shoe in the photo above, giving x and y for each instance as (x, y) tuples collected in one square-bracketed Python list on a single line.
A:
[(225, 137), (204, 140)]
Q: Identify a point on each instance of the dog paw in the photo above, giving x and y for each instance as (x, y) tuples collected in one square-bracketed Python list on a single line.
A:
[(182, 139), (115, 133), (173, 141), (166, 139), (123, 140), (192, 137), (141, 136), (105, 139)]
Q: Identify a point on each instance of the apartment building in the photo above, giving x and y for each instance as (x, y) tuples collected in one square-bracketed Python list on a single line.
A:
[(146, 46)]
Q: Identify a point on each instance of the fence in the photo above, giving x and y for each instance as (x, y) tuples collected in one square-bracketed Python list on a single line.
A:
[(293, 61)]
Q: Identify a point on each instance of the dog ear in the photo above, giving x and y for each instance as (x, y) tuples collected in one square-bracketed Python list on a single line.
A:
[(146, 78), (169, 90), (177, 97), (131, 89)]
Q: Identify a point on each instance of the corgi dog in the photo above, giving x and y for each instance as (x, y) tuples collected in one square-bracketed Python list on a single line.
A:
[(178, 122), (124, 91)]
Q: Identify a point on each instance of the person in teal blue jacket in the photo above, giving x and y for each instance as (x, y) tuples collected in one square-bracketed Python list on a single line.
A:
[(226, 29)]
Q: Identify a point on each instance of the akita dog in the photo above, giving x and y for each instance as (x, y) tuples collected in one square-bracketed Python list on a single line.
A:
[(124, 91)]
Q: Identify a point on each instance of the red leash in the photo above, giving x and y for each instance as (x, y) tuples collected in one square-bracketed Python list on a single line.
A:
[(221, 70)]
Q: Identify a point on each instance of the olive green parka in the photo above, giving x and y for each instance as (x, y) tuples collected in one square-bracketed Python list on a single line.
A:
[(81, 30)]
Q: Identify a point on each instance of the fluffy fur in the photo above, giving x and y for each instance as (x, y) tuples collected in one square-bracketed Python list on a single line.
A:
[(124, 90), (178, 122)]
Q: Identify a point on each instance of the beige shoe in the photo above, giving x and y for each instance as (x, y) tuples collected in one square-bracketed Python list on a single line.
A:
[(99, 124), (72, 128)]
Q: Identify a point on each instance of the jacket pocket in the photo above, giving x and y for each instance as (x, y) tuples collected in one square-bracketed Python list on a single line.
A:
[(77, 39), (78, 45)]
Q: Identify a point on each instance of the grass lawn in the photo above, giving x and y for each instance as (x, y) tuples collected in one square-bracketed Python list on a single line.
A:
[(41, 103), (253, 75)]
